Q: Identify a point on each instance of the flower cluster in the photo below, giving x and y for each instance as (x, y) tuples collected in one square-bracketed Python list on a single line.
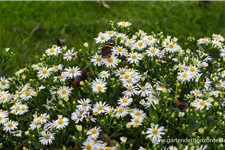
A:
[(134, 91)]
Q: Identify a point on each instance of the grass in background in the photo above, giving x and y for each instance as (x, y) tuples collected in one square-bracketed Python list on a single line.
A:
[(79, 22)]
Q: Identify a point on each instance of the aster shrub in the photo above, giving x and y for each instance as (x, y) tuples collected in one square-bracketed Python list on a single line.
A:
[(130, 90)]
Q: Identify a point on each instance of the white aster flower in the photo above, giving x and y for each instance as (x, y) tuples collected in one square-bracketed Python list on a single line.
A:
[(140, 45), (94, 132), (4, 83), (121, 111), (155, 133), (137, 113), (152, 51), (70, 55), (145, 90), (134, 57), (201, 104), (97, 60), (64, 91), (47, 137), (104, 74), (84, 104), (78, 116), (3, 116), (172, 47), (102, 38), (150, 40), (72, 72), (10, 126), (123, 24), (136, 121), (99, 86), (125, 101), (131, 91), (111, 61), (61, 122), (184, 76), (218, 37), (122, 37), (5, 96), (119, 50), (55, 50), (88, 144), (100, 107), (203, 41), (44, 72), (27, 94)]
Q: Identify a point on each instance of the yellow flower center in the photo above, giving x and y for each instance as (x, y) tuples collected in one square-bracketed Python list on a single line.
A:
[(110, 60), (134, 56), (143, 88), (72, 71), (202, 103), (150, 38), (136, 121), (127, 76), (60, 121), (203, 40), (3, 98), (222, 72), (125, 100), (99, 88), (104, 74), (180, 67), (184, 75), (218, 37), (44, 71), (196, 92), (100, 107), (119, 49), (64, 92), (1, 118), (122, 72), (155, 131), (102, 37), (129, 89), (10, 125), (98, 58), (47, 136), (140, 43), (137, 113), (219, 83), (192, 69), (123, 23), (27, 93), (22, 108), (3, 82), (196, 62), (89, 147), (121, 110), (52, 50), (171, 45), (94, 131), (153, 51), (85, 103)]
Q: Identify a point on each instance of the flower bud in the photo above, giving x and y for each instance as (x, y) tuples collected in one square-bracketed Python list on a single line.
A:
[(86, 44), (123, 139), (201, 130)]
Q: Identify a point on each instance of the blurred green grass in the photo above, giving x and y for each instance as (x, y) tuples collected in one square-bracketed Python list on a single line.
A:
[(79, 22)]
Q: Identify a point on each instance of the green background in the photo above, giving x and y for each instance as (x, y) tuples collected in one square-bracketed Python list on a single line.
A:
[(80, 22)]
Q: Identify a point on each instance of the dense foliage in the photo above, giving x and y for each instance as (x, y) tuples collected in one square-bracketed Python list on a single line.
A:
[(135, 90)]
